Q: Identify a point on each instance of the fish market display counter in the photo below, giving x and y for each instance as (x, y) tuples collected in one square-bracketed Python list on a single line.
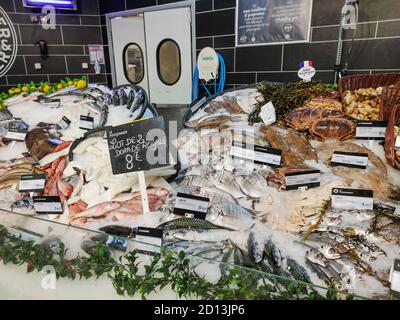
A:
[(283, 191), (42, 259)]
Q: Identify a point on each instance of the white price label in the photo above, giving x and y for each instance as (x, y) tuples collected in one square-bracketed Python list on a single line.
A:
[(371, 130), (191, 206), (49, 205), (310, 179), (257, 154), (148, 240), (349, 159), (33, 183), (352, 199), (16, 135), (86, 123), (64, 123)]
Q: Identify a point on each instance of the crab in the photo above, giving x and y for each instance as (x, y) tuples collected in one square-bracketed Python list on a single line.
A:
[(302, 118), (333, 128)]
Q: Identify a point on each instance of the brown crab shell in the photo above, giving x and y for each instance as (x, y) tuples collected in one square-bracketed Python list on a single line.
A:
[(333, 128), (302, 118)]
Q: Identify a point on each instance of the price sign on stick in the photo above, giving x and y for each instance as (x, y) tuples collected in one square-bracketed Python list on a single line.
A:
[(136, 147)]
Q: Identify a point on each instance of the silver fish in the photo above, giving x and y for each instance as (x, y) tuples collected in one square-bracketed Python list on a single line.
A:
[(225, 181), (253, 185), (230, 216), (297, 271), (199, 181), (273, 254), (254, 249), (196, 170)]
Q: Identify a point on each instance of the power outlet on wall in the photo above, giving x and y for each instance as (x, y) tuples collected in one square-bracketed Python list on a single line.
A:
[(38, 66), (85, 65)]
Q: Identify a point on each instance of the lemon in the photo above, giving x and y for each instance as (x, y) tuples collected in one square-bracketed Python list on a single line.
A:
[(32, 89), (40, 89), (11, 91), (46, 89), (25, 89), (59, 86), (70, 83), (81, 84), (17, 90)]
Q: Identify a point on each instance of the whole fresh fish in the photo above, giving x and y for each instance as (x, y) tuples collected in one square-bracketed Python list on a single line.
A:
[(254, 249), (297, 271), (138, 100), (230, 216), (273, 254), (196, 170), (193, 181), (88, 244), (241, 258), (204, 235), (116, 230), (225, 181), (98, 210), (187, 223), (25, 203), (212, 121), (253, 185)]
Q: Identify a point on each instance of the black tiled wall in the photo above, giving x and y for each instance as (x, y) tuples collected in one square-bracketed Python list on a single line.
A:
[(376, 47), (67, 44)]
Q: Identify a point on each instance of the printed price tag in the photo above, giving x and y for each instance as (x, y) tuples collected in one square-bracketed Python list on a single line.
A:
[(258, 154), (198, 104), (395, 278), (310, 179), (32, 182), (52, 103), (151, 239), (350, 159), (47, 205), (24, 234), (117, 243), (191, 206), (17, 134), (352, 199), (372, 130), (86, 123), (64, 123)]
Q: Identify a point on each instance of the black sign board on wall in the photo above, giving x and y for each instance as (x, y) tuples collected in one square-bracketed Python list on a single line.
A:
[(262, 22)]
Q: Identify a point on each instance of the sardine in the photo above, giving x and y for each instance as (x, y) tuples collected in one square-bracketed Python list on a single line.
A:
[(254, 248), (273, 253), (297, 271)]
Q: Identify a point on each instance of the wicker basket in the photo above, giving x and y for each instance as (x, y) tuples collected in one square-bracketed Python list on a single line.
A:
[(390, 152), (390, 97), (368, 81), (390, 93)]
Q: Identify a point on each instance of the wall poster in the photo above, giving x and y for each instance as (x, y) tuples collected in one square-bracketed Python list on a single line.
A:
[(265, 22)]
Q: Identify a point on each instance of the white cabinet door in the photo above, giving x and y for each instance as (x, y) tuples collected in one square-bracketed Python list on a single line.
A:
[(129, 47), (169, 49)]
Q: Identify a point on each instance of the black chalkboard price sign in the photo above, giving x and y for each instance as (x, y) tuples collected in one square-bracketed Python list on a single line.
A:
[(138, 146)]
